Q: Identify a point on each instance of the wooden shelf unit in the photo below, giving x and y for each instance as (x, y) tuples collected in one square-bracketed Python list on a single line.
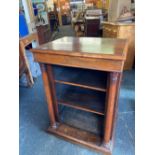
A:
[(90, 77)]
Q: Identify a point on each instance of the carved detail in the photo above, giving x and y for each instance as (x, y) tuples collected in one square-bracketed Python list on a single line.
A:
[(54, 126), (114, 77)]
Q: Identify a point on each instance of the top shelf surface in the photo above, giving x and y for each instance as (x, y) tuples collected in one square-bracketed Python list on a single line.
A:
[(107, 48)]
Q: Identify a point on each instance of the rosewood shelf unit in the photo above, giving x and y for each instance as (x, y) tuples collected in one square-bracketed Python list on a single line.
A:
[(83, 74)]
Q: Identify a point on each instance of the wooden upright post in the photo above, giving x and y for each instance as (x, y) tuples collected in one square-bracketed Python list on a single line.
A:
[(111, 101), (49, 96), (52, 86)]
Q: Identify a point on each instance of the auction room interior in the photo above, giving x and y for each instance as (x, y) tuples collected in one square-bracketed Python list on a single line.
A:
[(77, 77)]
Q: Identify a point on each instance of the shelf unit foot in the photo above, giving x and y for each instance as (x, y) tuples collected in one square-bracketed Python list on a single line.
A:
[(54, 126), (107, 145)]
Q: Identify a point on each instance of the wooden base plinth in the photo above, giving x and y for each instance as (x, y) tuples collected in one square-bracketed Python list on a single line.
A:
[(77, 136)]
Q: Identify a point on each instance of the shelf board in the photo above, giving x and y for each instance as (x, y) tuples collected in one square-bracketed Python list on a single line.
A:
[(83, 99), (80, 107), (81, 85), (77, 136), (85, 78)]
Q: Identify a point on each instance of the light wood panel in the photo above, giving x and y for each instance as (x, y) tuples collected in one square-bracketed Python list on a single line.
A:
[(122, 31)]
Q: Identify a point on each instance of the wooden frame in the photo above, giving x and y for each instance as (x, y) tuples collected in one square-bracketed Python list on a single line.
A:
[(23, 42), (78, 57)]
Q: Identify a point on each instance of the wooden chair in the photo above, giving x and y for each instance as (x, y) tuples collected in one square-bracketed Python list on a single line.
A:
[(23, 62)]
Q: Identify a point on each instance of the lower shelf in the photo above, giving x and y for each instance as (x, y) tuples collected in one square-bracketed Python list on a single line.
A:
[(77, 136), (82, 99), (82, 120)]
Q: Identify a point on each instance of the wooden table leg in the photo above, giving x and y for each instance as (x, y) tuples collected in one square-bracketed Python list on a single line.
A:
[(49, 96), (110, 105)]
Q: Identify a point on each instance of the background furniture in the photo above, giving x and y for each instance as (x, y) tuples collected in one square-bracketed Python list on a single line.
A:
[(78, 23), (53, 20), (79, 27), (92, 26), (94, 13), (92, 71), (23, 62), (44, 33), (123, 31), (116, 7)]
